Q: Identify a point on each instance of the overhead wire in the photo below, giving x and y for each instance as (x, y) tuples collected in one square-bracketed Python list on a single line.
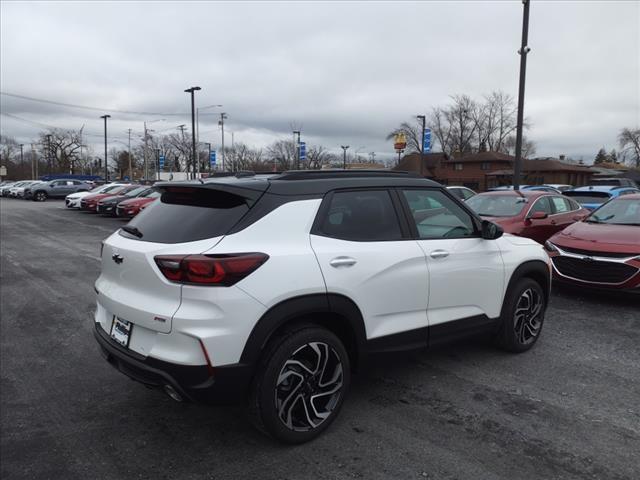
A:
[(85, 107)]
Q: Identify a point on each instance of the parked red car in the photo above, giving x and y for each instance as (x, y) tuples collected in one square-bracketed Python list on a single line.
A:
[(603, 251), (133, 206), (528, 213), (90, 202)]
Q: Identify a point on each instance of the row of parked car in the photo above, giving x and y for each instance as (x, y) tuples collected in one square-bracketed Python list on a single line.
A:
[(115, 199), (592, 233)]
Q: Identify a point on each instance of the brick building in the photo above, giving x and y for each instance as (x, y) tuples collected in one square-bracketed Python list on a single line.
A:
[(484, 170)]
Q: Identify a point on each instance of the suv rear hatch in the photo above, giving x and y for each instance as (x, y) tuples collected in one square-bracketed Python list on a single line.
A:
[(187, 219)]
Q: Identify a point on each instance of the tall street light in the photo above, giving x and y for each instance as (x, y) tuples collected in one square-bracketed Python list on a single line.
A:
[(524, 50), (21, 159), (106, 170), (344, 156), (223, 116), (192, 91), (424, 126), (297, 147)]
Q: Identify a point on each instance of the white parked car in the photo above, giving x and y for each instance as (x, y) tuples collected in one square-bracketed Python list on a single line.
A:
[(73, 200), (17, 190), (275, 288)]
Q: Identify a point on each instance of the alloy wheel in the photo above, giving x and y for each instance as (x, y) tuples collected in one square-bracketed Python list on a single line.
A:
[(309, 386), (41, 197), (528, 316)]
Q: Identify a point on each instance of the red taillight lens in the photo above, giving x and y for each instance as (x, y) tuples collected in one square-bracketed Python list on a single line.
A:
[(213, 270)]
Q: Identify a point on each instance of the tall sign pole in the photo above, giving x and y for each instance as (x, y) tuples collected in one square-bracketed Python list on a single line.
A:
[(424, 120), (106, 169), (524, 50)]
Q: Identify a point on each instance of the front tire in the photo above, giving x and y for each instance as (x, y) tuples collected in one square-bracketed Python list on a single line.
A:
[(40, 196), (300, 385), (522, 316)]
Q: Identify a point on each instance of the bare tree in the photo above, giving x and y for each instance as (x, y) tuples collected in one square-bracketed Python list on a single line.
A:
[(629, 140), (61, 149), (282, 154), (318, 156), (466, 125), (528, 146)]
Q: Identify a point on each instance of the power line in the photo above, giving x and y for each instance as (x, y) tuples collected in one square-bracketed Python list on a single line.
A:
[(96, 109), (45, 125)]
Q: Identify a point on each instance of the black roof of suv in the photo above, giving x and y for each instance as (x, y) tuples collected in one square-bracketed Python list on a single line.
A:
[(307, 182)]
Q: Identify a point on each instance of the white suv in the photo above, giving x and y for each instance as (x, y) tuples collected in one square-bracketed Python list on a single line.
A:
[(275, 288)]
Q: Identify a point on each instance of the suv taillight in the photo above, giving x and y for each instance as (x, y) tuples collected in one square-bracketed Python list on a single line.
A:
[(212, 270)]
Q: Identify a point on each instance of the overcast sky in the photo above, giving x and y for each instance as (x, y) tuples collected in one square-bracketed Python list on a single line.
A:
[(347, 72)]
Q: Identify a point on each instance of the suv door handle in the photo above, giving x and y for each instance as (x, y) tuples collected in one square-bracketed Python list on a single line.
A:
[(439, 254), (342, 262)]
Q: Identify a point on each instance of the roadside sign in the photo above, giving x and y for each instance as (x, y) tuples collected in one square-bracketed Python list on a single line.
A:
[(161, 162), (427, 140), (303, 151), (212, 158), (126, 178)]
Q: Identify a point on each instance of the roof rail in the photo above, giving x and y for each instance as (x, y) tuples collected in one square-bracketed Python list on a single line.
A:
[(338, 173)]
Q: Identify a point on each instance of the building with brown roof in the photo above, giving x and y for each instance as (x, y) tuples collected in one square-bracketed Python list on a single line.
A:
[(485, 170)]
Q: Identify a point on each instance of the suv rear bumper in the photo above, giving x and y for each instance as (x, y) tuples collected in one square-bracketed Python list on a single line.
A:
[(228, 384)]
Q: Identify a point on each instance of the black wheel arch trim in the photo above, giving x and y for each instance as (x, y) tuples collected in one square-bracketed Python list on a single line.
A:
[(535, 269), (308, 307)]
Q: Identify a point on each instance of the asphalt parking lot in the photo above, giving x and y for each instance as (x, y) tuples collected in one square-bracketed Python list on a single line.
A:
[(567, 409)]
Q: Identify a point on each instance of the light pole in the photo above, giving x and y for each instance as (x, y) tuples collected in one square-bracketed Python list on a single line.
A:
[(344, 156), (524, 50), (49, 161), (106, 170), (221, 123), (21, 159), (209, 155), (297, 147), (192, 91), (129, 156), (424, 120)]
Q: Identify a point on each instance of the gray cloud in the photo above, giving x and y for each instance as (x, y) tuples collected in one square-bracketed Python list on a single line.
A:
[(348, 72)]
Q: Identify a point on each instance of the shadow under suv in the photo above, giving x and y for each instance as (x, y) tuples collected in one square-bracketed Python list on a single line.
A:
[(273, 289)]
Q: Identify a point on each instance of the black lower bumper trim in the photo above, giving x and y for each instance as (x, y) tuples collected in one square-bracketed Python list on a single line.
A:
[(229, 384)]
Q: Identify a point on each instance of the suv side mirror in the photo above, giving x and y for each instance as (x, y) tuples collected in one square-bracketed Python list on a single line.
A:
[(490, 230), (538, 216)]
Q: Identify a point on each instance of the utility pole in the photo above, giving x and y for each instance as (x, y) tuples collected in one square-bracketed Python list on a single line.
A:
[(34, 162), (106, 168), (129, 156), (192, 91), (49, 162), (423, 118), (221, 123), (297, 148), (21, 160), (524, 50), (344, 156), (81, 129), (144, 154)]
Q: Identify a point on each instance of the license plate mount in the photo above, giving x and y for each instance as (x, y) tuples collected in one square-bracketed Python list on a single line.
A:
[(121, 331)]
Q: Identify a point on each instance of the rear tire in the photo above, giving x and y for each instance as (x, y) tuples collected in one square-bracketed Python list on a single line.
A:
[(300, 385), (522, 316)]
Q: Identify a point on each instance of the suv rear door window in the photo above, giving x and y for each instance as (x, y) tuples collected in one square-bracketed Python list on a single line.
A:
[(361, 216)]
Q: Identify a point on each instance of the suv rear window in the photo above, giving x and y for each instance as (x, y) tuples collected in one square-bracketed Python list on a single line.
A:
[(187, 216), (363, 215)]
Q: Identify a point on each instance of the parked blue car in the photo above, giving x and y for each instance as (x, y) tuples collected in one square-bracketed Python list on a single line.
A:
[(593, 196)]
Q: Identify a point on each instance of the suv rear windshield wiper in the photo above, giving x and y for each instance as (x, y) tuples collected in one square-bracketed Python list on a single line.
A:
[(132, 230)]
